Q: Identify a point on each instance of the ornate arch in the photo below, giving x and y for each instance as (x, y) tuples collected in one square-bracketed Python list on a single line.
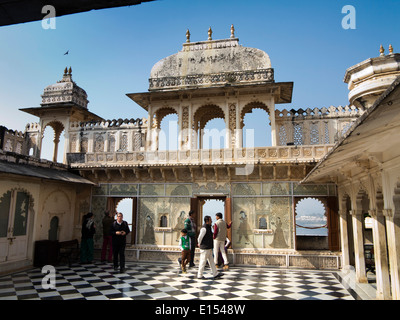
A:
[(205, 113), (161, 113), (57, 126), (54, 192), (321, 201), (19, 189), (31, 212), (248, 108)]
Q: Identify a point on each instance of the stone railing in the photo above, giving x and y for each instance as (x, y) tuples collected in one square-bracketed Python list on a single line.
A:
[(115, 123), (198, 80), (318, 113), (314, 126), (121, 135), (280, 154)]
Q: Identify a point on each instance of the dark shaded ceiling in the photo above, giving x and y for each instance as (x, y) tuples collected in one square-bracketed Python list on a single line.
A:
[(19, 11)]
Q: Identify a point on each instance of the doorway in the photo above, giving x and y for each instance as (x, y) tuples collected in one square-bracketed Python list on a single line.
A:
[(127, 206), (209, 206), (14, 221)]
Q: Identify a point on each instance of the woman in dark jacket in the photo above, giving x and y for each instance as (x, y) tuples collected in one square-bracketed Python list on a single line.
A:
[(88, 231)]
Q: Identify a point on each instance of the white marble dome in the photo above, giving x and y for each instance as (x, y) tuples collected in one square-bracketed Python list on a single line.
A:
[(211, 63)]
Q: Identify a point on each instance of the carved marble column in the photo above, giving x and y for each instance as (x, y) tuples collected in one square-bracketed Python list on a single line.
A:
[(271, 109), (231, 132), (344, 238), (357, 220), (380, 254), (149, 137), (185, 134), (393, 238), (58, 129), (56, 142)]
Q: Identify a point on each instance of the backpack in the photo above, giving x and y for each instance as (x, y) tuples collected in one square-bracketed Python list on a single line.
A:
[(188, 227)]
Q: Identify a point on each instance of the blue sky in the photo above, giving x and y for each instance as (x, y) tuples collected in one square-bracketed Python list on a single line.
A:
[(112, 51)]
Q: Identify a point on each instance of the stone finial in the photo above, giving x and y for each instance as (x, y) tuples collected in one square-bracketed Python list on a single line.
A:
[(70, 70), (232, 31), (65, 70), (381, 50), (187, 35), (390, 49), (209, 34)]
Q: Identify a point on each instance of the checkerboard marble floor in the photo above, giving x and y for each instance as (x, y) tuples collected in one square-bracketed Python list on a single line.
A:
[(144, 281)]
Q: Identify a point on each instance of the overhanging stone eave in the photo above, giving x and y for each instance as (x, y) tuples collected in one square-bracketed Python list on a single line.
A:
[(40, 111), (282, 94)]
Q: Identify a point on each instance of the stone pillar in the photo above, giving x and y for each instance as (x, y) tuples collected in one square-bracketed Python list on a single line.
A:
[(344, 238), (107, 142), (239, 128), (271, 108), (231, 126), (380, 254), (56, 141), (150, 125), (91, 143), (184, 126), (393, 238), (357, 220)]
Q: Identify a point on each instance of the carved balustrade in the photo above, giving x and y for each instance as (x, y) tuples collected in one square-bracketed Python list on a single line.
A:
[(280, 154), (314, 126)]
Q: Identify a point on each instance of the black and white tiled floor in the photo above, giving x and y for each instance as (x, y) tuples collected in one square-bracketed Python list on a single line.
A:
[(143, 281)]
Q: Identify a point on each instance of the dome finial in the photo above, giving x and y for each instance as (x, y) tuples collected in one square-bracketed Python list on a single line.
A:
[(232, 31), (209, 34), (381, 50), (187, 35), (390, 49)]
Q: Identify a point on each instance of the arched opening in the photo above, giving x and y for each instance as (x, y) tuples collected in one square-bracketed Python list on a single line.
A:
[(53, 231), (256, 126), (311, 224), (209, 207), (213, 135), (262, 223), (169, 132), (125, 206), (209, 127), (53, 141), (164, 221)]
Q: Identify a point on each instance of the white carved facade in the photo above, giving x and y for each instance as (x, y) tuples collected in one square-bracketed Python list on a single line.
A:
[(260, 186)]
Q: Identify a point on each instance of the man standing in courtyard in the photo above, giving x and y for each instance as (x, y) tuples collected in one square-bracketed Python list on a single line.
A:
[(205, 242), (190, 226), (119, 230), (220, 234)]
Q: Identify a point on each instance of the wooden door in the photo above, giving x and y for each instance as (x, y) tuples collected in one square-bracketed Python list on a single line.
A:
[(333, 224), (14, 233), (228, 217), (134, 219)]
